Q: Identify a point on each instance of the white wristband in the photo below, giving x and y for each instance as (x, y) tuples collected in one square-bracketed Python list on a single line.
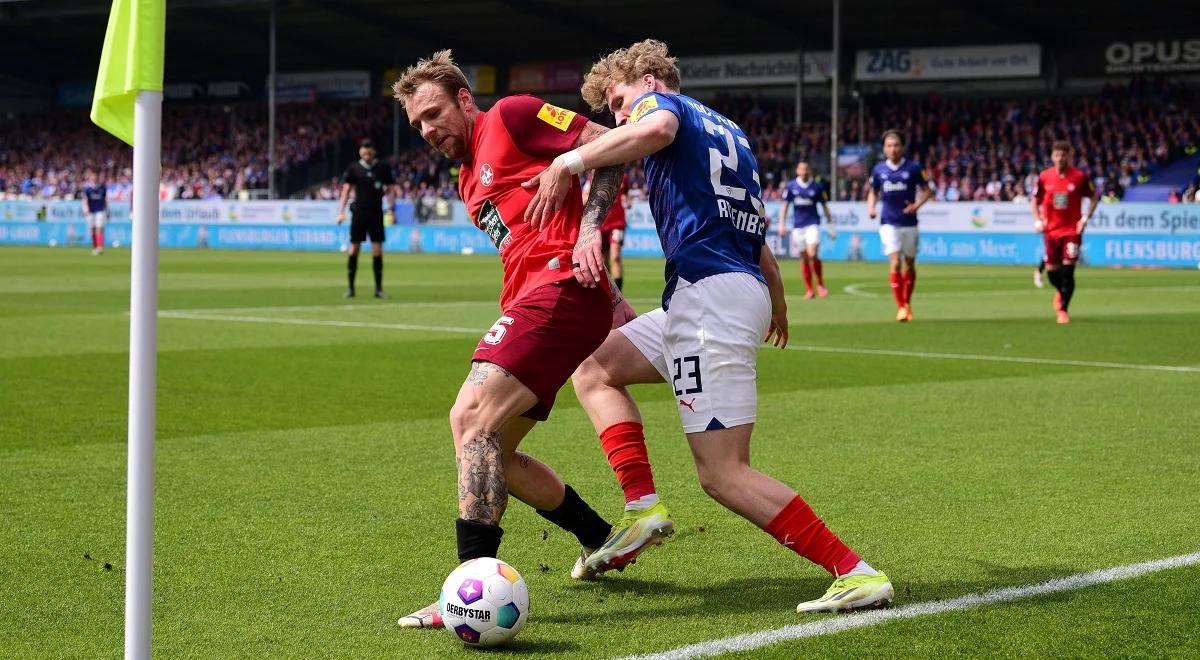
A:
[(573, 161)]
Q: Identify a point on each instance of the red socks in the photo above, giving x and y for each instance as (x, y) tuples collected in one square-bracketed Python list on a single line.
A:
[(897, 289), (97, 238), (801, 531), (910, 280), (625, 446), (807, 271), (819, 271)]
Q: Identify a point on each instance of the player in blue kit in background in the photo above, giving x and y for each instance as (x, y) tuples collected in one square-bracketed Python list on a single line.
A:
[(723, 296), (803, 194), (900, 187), (95, 209)]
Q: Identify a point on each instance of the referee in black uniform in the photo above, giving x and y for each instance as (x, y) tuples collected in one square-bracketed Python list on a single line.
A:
[(371, 181)]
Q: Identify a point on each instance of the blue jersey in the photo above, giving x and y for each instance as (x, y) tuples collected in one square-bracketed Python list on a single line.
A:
[(897, 187), (704, 193), (96, 198), (804, 198)]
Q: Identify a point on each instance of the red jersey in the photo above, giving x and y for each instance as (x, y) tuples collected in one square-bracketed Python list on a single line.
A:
[(512, 143), (1061, 198), (616, 215)]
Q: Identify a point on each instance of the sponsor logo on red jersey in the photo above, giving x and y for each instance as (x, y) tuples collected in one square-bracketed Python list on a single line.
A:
[(556, 116)]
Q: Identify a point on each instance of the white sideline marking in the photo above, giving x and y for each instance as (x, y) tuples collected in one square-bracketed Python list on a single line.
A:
[(350, 307), (837, 624), (856, 290), (338, 324), (203, 316), (996, 358)]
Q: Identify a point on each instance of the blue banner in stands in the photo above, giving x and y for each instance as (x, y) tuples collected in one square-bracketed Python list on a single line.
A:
[(1120, 234)]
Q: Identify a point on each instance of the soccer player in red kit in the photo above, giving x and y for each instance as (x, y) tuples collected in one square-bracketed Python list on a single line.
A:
[(558, 305), (1058, 214)]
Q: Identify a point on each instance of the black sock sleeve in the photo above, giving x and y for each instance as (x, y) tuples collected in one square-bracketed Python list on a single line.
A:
[(477, 540), (577, 517)]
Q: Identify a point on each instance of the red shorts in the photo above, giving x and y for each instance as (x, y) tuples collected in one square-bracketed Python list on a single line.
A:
[(1063, 249), (543, 337)]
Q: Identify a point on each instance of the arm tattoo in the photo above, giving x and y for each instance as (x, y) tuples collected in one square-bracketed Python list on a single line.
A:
[(606, 182), (617, 296), (590, 132), (482, 486)]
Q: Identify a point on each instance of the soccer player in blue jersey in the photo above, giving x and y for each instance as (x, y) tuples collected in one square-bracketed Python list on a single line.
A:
[(95, 209), (900, 187), (802, 195), (723, 296)]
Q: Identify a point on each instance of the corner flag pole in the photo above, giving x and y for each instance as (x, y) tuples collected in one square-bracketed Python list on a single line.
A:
[(128, 104), (143, 349)]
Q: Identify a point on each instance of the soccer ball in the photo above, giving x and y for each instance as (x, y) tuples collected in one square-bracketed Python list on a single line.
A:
[(484, 602)]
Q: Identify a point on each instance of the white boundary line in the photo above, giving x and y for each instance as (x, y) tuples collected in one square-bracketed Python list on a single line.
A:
[(336, 324), (204, 316), (837, 624), (995, 358), (350, 307), (856, 290)]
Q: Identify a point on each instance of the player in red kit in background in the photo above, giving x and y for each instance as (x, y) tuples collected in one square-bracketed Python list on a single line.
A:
[(1058, 214), (558, 305)]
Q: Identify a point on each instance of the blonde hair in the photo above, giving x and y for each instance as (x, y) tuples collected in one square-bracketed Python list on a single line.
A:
[(626, 65), (439, 69)]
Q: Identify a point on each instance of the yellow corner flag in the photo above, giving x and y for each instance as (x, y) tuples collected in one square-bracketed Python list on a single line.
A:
[(132, 61)]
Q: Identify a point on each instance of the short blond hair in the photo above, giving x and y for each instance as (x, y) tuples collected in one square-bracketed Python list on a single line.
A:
[(627, 65), (439, 69)]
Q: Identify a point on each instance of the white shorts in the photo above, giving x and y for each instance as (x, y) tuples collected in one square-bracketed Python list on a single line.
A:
[(898, 239), (802, 237), (706, 347), (96, 220)]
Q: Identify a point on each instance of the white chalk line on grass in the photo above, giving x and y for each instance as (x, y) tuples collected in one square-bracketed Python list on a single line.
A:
[(857, 290), (196, 316), (351, 307), (837, 624), (996, 358), (337, 324)]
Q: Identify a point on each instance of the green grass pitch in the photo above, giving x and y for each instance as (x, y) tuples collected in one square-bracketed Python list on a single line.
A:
[(305, 489)]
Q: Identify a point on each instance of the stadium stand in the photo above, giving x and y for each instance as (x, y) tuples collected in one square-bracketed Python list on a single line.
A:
[(975, 149)]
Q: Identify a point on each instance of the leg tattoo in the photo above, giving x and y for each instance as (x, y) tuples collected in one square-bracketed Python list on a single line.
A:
[(482, 486)]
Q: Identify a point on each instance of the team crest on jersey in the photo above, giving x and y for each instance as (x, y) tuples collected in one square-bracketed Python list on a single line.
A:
[(486, 175), (646, 105), (1070, 187), (556, 116)]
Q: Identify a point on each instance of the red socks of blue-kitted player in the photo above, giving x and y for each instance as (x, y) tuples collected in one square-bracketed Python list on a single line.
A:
[(903, 285), (809, 269), (624, 444), (798, 529)]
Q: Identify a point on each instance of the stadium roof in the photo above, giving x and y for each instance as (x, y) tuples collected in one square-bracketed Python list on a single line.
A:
[(60, 40)]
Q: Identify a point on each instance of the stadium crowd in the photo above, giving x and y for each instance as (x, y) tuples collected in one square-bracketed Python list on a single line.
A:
[(208, 151), (991, 149), (972, 149)]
